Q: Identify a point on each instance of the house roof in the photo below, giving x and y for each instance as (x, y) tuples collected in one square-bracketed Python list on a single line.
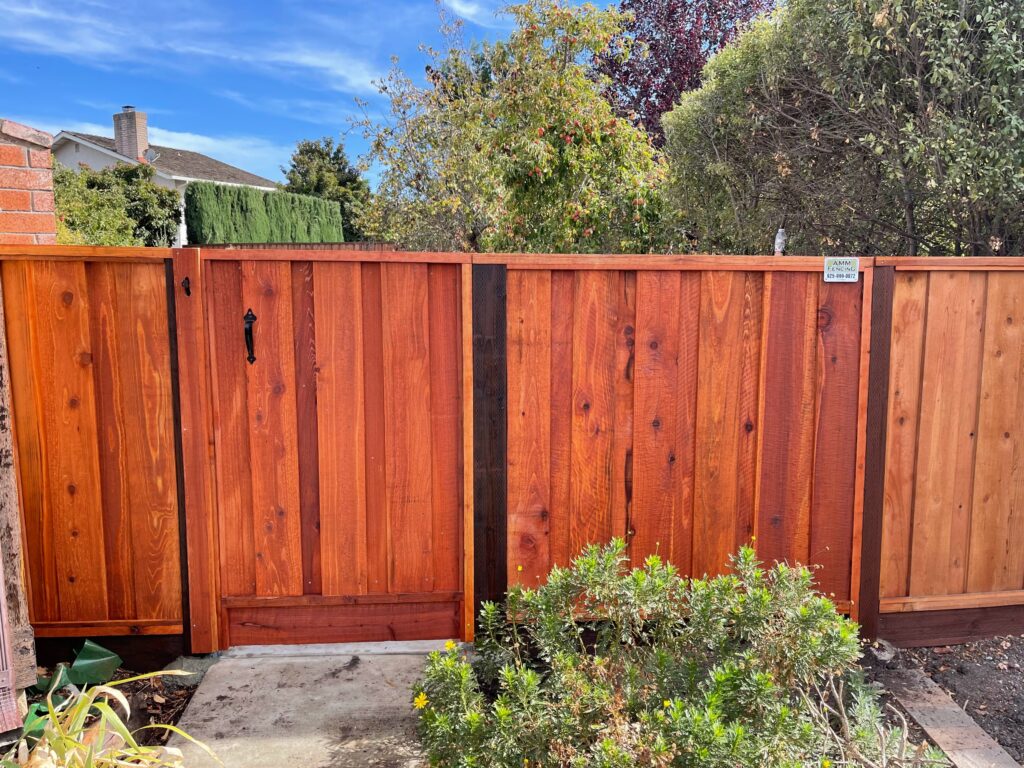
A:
[(183, 164)]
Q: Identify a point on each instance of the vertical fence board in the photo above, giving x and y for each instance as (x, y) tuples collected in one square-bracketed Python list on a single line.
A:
[(378, 537), (27, 400), (270, 381), (338, 313), (72, 482), (947, 432), (722, 425), (787, 416), (446, 423), (835, 444), (910, 292), (623, 380), (997, 520), (593, 422), (559, 517), (230, 401), (529, 425), (308, 433), (660, 523), (407, 427)]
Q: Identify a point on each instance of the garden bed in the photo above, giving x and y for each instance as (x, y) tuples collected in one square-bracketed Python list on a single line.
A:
[(985, 678)]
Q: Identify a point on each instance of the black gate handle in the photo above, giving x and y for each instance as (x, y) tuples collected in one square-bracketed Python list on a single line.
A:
[(249, 319)]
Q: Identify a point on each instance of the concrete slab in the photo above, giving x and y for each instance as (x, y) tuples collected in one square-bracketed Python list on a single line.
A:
[(308, 710)]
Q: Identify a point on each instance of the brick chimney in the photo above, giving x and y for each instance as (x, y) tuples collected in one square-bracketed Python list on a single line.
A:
[(131, 138)]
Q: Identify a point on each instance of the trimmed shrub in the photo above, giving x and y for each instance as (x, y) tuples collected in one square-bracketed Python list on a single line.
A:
[(608, 667), (217, 213)]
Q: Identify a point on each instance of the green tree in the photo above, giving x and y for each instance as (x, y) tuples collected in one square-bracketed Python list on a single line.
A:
[(321, 168), (867, 126), (120, 205), (511, 145)]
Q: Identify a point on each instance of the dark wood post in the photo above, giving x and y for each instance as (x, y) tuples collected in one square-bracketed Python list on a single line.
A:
[(874, 457), (489, 431)]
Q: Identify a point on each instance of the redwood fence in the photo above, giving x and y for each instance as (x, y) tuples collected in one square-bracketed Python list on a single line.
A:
[(306, 445)]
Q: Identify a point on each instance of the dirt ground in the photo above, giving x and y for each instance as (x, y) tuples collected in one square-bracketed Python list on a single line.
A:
[(986, 678)]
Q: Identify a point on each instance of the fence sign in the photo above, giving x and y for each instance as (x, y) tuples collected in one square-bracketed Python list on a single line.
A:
[(842, 269)]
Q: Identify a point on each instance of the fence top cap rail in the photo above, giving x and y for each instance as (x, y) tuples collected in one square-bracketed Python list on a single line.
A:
[(84, 253), (653, 261), (285, 253), (950, 263)]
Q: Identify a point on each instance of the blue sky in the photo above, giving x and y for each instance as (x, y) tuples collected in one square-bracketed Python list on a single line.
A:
[(240, 81)]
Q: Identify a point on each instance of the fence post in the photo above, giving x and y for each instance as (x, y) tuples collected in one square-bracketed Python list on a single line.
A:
[(196, 452), (489, 431), (874, 458)]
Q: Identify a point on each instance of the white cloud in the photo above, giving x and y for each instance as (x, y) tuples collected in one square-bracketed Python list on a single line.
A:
[(329, 114), (106, 38), (481, 14)]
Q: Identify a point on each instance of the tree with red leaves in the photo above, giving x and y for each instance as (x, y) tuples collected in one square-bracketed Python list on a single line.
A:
[(670, 42)]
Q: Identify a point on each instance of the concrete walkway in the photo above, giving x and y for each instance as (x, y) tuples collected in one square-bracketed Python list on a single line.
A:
[(308, 707)]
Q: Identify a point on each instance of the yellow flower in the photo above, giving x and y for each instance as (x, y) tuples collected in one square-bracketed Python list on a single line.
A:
[(421, 701), (667, 703), (450, 645), (519, 568), (826, 764)]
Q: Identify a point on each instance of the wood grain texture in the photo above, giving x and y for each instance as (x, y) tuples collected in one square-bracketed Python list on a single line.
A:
[(378, 536), (996, 559), (131, 352), (529, 426), (342, 438), (27, 401), (445, 345), (306, 413), (833, 489), (595, 323), (230, 398), (197, 445), (943, 488), (467, 466), (407, 426), (910, 295), (273, 442), (71, 472), (563, 313), (789, 404), (730, 332)]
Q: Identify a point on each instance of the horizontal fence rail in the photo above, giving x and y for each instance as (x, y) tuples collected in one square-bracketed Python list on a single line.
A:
[(361, 444)]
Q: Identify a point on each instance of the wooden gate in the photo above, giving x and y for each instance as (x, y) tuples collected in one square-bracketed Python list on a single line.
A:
[(337, 399), (689, 405)]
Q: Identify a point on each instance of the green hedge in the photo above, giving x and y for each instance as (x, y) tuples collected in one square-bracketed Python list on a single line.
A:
[(217, 213)]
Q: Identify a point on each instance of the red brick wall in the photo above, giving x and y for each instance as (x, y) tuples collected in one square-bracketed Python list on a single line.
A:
[(26, 186)]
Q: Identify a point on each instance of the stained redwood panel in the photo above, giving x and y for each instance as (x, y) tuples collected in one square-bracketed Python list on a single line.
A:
[(660, 523), (131, 350), (378, 543), (341, 435), (306, 413), (273, 441), (786, 451), (835, 444), (231, 429), (408, 443), (726, 409), (622, 445), (593, 416), (446, 423), (943, 489), (27, 402), (71, 472), (529, 426), (559, 519)]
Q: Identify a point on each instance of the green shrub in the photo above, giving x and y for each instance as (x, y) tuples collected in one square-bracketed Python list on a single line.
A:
[(217, 213), (605, 666)]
